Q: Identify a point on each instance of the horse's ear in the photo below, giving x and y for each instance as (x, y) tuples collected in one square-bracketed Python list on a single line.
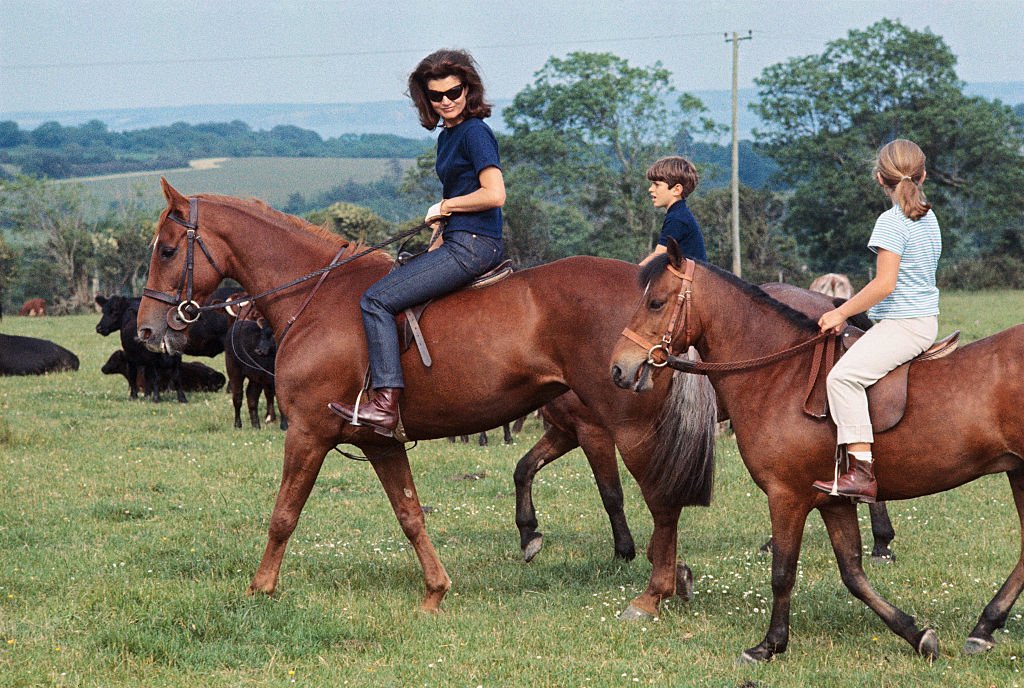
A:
[(173, 196), (674, 254)]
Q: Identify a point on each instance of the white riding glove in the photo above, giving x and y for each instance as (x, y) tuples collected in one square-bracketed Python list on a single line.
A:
[(434, 213)]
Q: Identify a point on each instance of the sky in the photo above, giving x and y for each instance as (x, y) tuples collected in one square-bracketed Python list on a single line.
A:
[(65, 55)]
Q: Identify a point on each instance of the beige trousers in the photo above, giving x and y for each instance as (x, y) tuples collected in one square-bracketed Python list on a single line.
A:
[(881, 349)]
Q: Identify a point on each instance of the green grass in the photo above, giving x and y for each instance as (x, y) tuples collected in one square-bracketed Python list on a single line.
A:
[(272, 180), (130, 530)]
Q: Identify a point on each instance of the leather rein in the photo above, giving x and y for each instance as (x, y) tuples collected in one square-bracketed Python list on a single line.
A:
[(186, 310), (682, 363)]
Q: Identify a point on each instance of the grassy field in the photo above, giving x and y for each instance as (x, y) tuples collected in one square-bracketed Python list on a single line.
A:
[(270, 179), (130, 530)]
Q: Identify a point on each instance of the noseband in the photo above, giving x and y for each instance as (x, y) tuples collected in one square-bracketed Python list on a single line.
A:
[(186, 309), (682, 308)]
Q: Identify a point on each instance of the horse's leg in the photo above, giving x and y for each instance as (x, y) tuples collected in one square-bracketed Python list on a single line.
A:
[(302, 460), (392, 467), (552, 444), (252, 401), (482, 440), (599, 448), (882, 532), (996, 611), (788, 516), (508, 433), (666, 574), (840, 516)]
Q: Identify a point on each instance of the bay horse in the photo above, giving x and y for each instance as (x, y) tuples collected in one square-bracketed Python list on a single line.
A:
[(565, 317), (963, 420), (569, 424)]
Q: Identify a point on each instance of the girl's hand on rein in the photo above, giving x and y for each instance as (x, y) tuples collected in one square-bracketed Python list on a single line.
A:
[(832, 320)]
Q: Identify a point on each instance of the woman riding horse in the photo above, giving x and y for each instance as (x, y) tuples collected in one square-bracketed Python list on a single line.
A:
[(445, 88)]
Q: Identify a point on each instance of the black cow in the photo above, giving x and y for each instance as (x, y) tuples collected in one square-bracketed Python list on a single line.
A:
[(249, 353), (120, 313), (31, 356), (195, 376)]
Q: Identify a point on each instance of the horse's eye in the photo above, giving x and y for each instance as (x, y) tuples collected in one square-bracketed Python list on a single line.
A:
[(656, 304), (167, 252)]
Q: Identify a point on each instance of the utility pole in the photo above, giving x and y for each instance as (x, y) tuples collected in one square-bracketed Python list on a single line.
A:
[(735, 40)]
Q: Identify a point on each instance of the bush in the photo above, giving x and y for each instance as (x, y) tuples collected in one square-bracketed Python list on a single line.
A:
[(994, 271)]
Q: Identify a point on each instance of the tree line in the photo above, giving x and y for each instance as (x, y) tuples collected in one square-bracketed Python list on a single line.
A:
[(581, 136), (59, 152)]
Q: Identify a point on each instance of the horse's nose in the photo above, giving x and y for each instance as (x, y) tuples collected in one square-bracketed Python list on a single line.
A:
[(144, 333), (617, 374)]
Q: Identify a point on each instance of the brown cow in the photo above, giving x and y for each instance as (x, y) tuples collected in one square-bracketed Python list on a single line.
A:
[(833, 284), (33, 307)]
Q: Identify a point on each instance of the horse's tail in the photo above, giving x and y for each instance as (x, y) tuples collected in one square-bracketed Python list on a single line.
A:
[(682, 467)]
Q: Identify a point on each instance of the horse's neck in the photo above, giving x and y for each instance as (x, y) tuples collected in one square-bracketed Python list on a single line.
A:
[(737, 327), (268, 256)]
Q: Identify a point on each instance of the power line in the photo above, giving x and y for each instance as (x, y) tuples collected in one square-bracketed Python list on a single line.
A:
[(350, 53)]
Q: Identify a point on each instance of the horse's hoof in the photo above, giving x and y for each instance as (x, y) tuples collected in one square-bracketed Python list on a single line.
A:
[(928, 645), (634, 613), (533, 548), (684, 582), (977, 646), (746, 659)]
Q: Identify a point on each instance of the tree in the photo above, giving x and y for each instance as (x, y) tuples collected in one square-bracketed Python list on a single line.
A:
[(769, 253), (353, 222), (583, 135), (121, 245), (51, 218), (827, 115)]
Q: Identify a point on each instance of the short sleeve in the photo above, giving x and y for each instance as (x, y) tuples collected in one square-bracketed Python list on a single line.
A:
[(890, 234), (482, 148)]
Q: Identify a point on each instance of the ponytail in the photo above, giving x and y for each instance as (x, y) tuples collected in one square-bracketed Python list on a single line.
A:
[(900, 165)]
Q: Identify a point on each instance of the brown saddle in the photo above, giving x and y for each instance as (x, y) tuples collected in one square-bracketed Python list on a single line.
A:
[(408, 320), (887, 398)]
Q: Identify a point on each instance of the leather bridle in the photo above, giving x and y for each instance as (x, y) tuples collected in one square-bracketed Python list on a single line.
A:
[(680, 316), (186, 310)]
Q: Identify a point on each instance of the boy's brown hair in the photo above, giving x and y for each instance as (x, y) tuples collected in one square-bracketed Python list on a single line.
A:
[(673, 170)]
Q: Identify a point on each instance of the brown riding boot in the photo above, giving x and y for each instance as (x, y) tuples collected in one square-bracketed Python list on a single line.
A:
[(380, 411), (858, 482)]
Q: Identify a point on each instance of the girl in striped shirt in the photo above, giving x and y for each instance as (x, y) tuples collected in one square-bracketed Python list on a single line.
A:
[(902, 297)]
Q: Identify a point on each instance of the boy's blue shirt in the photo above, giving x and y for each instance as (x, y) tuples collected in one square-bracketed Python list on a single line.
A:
[(681, 225)]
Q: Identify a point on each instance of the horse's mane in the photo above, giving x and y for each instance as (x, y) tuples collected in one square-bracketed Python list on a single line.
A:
[(659, 264), (257, 208)]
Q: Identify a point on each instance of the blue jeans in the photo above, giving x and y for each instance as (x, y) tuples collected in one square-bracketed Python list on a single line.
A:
[(461, 258)]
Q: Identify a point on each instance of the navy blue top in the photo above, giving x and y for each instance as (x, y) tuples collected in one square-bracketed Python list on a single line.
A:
[(681, 225), (462, 153)]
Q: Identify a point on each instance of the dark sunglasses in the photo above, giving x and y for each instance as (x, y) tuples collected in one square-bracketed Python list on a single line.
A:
[(453, 94)]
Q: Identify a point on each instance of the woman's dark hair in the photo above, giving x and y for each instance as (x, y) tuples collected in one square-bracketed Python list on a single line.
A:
[(442, 64)]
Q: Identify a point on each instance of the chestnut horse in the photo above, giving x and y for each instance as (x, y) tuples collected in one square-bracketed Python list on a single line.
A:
[(558, 324), (963, 420), (569, 424)]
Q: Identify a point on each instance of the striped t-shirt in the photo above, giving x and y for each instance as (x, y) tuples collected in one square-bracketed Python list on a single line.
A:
[(919, 244)]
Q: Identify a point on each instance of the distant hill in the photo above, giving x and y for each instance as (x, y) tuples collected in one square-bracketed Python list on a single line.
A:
[(384, 117)]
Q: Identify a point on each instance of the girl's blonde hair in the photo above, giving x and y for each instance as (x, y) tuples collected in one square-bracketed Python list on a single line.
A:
[(900, 164)]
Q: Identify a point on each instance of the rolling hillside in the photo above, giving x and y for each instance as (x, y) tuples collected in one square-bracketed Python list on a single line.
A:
[(270, 179)]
